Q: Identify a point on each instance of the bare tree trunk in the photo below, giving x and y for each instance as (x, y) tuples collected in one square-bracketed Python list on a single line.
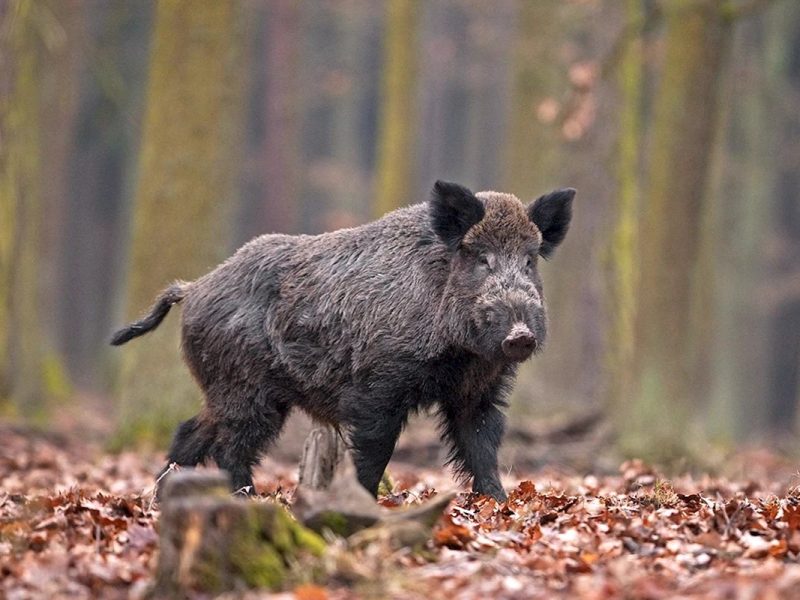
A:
[(784, 330), (30, 370), (487, 74), (60, 88), (350, 188), (8, 198), (559, 124), (534, 141), (537, 79), (279, 207), (685, 120), (398, 103), (741, 359), (624, 241), (102, 160), (181, 215)]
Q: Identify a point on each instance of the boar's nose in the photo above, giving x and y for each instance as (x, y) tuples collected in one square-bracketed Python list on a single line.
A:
[(520, 343)]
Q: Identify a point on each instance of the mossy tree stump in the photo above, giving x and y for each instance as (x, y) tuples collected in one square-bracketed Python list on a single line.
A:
[(211, 542)]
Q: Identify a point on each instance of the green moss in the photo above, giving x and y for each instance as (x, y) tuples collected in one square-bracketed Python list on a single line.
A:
[(335, 522), (268, 543), (208, 574), (309, 541), (299, 538), (537, 74), (259, 564), (279, 527), (22, 215), (7, 409)]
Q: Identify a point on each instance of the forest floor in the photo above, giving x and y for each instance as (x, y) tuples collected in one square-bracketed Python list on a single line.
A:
[(77, 522)]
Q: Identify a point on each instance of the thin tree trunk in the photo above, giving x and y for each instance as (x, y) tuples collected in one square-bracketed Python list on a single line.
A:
[(624, 241), (685, 119), (398, 115), (60, 89), (102, 160), (23, 348), (784, 354), (279, 207), (785, 318), (740, 350), (488, 75), (350, 190), (8, 200), (434, 75), (546, 150), (185, 190), (533, 143)]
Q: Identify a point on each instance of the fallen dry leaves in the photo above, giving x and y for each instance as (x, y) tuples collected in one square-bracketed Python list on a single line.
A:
[(76, 523), (70, 527), (632, 536)]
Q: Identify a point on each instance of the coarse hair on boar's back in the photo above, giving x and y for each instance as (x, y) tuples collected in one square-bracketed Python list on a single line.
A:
[(431, 306)]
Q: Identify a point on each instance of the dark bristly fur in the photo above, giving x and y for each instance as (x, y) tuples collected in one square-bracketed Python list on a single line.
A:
[(433, 305)]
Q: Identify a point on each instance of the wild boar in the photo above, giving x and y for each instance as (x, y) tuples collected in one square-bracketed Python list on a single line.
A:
[(431, 306)]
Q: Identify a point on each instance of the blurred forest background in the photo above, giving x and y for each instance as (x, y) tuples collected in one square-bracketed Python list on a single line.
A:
[(143, 141)]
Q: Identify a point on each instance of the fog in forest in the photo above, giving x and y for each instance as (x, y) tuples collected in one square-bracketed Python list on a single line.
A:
[(143, 142)]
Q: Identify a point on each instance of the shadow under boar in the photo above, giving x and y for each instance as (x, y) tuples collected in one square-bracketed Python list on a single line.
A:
[(433, 305)]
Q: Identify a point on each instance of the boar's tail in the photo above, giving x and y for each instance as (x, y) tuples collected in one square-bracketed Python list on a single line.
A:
[(172, 295)]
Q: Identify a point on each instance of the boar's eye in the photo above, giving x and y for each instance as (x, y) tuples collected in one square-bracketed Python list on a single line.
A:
[(484, 261), (530, 262)]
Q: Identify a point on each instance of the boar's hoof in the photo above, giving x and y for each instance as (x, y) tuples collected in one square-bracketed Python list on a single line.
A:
[(493, 490)]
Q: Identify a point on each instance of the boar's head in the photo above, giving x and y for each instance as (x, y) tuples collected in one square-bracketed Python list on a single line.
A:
[(494, 289)]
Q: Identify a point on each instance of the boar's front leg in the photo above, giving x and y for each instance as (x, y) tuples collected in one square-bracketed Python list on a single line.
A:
[(475, 433)]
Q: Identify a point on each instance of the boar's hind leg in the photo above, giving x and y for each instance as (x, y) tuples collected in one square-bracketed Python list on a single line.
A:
[(240, 441), (191, 444), (373, 437), (476, 436)]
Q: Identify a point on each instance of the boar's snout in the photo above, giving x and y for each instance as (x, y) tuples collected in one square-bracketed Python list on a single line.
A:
[(520, 343)]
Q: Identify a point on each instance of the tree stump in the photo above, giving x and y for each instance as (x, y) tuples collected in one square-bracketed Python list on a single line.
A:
[(323, 451), (334, 500), (211, 542), (331, 497)]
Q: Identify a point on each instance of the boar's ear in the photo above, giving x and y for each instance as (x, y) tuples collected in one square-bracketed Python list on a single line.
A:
[(551, 213), (454, 209)]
